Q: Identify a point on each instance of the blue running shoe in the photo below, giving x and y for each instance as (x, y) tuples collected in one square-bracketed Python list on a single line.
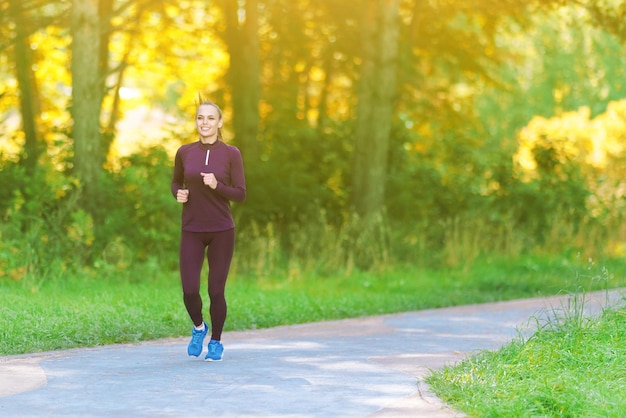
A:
[(197, 339), (216, 349)]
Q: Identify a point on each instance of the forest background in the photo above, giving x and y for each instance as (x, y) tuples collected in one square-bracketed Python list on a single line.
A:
[(375, 133)]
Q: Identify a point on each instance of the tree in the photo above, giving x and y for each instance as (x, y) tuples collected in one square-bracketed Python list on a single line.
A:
[(87, 97), (242, 40), (27, 87), (376, 92)]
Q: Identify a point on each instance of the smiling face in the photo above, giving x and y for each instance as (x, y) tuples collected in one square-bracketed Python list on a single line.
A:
[(208, 123)]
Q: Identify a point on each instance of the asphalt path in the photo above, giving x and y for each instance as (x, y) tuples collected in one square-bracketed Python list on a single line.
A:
[(362, 367)]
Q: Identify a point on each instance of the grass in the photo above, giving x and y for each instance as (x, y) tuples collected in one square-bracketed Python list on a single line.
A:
[(572, 366), (142, 302)]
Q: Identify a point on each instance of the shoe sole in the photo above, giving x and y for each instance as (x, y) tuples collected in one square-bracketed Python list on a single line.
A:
[(212, 359)]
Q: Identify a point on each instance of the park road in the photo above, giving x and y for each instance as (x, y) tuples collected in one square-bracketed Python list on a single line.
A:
[(363, 367)]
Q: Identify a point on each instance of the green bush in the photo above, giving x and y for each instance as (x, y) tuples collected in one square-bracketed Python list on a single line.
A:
[(139, 211)]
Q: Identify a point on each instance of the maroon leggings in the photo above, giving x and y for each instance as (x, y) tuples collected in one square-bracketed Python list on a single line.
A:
[(219, 253)]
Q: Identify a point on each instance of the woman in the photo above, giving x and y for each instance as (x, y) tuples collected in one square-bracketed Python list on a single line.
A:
[(208, 174)]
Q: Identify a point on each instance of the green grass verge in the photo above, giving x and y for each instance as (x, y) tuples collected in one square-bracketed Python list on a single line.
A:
[(142, 302), (571, 367)]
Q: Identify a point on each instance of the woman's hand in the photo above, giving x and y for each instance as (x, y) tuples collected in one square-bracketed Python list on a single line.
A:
[(209, 179), (182, 195)]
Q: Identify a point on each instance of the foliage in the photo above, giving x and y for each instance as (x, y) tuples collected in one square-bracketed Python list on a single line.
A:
[(513, 148), (41, 225), (138, 211)]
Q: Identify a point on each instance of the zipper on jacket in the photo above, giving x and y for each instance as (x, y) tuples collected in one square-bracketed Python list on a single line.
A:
[(206, 159)]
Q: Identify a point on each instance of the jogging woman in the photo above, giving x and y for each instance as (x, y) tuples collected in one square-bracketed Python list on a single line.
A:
[(208, 175)]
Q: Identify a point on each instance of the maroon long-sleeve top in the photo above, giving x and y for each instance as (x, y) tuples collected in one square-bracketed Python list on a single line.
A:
[(208, 210)]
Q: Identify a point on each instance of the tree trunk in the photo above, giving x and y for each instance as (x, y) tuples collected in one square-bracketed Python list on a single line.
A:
[(86, 98), (377, 84), (243, 76), (105, 12), (27, 87)]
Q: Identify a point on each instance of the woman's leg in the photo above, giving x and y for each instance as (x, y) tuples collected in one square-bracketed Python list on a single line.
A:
[(191, 258), (219, 256)]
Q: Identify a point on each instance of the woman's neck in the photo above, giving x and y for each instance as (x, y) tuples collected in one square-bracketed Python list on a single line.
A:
[(209, 140)]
